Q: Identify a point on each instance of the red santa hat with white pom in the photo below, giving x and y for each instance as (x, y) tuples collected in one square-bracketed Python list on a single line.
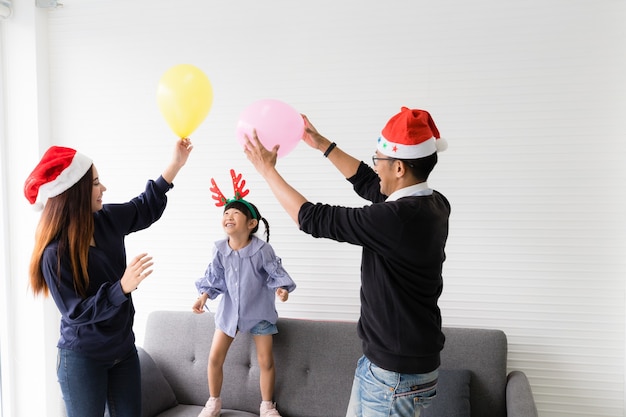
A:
[(59, 169), (411, 134)]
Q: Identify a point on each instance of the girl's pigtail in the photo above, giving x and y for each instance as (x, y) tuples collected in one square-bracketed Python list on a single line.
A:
[(267, 229)]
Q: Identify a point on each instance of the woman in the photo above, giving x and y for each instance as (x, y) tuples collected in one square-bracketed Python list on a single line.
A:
[(79, 258)]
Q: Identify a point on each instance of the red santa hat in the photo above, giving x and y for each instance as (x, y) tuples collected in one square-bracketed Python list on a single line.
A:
[(59, 169), (410, 134)]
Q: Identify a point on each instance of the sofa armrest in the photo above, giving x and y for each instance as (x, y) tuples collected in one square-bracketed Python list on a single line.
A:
[(519, 396), (156, 393)]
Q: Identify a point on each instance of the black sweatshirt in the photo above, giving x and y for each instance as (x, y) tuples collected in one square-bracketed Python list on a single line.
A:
[(100, 325), (403, 245)]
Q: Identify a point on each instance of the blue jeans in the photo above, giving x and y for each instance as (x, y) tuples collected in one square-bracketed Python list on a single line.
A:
[(89, 385), (377, 392)]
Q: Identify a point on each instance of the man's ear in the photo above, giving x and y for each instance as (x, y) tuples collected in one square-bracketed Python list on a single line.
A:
[(400, 169)]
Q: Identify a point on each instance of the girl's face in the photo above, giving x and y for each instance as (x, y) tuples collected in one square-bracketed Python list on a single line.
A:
[(235, 222), (97, 191)]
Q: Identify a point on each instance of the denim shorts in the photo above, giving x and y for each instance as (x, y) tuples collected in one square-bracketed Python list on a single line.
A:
[(264, 328), (377, 392)]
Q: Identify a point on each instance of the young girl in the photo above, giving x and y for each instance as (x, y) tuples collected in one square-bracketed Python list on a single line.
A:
[(248, 302), (79, 258)]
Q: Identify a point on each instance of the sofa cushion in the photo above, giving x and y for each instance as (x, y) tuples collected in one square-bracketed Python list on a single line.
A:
[(453, 395), (156, 393), (182, 410)]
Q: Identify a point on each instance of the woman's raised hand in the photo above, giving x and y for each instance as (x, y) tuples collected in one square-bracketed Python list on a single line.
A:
[(137, 270)]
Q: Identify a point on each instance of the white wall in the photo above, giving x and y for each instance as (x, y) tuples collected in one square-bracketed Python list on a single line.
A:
[(529, 95), (28, 324)]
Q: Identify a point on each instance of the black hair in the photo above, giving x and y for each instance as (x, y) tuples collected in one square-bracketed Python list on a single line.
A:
[(421, 167), (242, 207)]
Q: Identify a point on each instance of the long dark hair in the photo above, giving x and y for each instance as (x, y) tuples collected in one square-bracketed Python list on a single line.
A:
[(242, 207), (67, 218)]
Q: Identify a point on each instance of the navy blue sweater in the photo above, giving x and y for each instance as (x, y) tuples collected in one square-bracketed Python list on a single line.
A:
[(101, 324), (403, 245)]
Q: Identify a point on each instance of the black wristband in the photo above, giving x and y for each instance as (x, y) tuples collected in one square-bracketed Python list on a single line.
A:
[(330, 149)]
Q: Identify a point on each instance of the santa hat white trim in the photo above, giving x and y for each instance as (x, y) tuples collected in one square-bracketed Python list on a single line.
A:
[(66, 179), (396, 150), (42, 184)]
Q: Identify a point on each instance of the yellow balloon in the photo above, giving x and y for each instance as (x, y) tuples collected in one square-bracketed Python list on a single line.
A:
[(184, 96)]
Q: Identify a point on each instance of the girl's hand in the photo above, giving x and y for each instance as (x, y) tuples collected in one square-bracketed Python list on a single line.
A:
[(198, 306), (138, 270), (282, 294)]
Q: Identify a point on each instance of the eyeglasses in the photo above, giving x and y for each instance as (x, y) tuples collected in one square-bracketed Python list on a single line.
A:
[(375, 159)]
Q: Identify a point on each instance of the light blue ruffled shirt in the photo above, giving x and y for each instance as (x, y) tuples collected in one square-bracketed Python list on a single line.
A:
[(247, 278)]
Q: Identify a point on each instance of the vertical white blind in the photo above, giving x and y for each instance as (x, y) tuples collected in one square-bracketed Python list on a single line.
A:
[(530, 97)]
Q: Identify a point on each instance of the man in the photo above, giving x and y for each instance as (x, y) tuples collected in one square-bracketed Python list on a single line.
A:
[(403, 235)]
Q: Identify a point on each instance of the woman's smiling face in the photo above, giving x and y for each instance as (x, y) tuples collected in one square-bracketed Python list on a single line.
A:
[(97, 192)]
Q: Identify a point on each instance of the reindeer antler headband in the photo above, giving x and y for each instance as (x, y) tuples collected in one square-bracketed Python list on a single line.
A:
[(240, 193)]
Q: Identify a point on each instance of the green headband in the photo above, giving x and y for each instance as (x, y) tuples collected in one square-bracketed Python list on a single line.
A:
[(245, 203)]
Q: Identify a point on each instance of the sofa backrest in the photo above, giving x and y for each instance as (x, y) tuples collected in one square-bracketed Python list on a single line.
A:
[(179, 343), (315, 363), (484, 353)]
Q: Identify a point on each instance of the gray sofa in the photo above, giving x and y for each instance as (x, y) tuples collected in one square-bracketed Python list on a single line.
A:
[(315, 362)]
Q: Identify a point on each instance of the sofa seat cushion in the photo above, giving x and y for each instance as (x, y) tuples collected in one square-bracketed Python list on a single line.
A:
[(183, 410), (453, 395)]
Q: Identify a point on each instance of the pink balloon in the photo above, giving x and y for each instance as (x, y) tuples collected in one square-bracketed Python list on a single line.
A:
[(276, 123)]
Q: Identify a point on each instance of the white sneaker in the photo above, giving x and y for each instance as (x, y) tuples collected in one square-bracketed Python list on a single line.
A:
[(212, 408), (268, 409)]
